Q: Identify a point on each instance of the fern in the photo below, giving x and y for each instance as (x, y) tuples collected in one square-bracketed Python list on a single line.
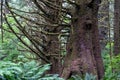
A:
[(87, 77), (25, 71)]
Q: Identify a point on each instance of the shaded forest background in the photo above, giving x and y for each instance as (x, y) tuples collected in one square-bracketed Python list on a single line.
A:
[(60, 40)]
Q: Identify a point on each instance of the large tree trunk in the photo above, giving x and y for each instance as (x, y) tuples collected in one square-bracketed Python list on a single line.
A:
[(117, 27), (84, 55)]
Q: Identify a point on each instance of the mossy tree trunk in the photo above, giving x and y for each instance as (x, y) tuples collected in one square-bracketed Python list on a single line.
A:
[(52, 41)]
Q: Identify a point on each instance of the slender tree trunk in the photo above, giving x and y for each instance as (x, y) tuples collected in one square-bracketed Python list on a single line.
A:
[(84, 55), (103, 23), (117, 27), (53, 44), (53, 50)]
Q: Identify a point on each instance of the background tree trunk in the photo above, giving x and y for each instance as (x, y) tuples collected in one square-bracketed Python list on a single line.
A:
[(117, 27), (53, 43), (103, 23)]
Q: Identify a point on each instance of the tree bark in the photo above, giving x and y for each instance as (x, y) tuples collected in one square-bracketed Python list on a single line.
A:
[(84, 54), (117, 28), (53, 43), (53, 51)]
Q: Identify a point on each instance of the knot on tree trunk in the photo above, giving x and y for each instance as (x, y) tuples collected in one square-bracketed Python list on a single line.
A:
[(87, 24)]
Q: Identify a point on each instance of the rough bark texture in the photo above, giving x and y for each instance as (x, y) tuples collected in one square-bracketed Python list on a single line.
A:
[(84, 55), (52, 42), (117, 28), (96, 44)]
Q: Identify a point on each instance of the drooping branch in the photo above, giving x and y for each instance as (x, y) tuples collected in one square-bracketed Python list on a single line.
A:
[(20, 27), (33, 50)]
